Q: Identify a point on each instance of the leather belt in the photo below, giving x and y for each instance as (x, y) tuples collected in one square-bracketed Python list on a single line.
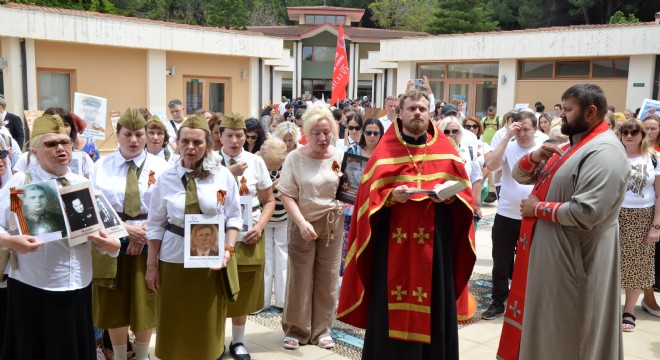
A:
[(178, 230), (125, 217)]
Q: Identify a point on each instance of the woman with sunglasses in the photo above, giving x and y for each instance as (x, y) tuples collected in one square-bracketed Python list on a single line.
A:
[(639, 220), (353, 132), (451, 126), (254, 135), (479, 149), (373, 131)]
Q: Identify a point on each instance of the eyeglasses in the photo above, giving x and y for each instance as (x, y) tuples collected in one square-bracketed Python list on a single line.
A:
[(468, 127), (3, 154), (352, 128), (632, 133), (54, 143), (252, 137), (453, 132), (372, 133)]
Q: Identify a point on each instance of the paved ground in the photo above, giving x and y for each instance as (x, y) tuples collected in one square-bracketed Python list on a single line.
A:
[(478, 341)]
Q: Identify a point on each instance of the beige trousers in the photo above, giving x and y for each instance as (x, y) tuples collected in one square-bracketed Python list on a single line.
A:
[(312, 280)]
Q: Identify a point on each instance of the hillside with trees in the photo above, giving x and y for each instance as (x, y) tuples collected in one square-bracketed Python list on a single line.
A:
[(434, 16)]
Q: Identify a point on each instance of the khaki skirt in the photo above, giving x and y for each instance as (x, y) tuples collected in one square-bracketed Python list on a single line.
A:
[(192, 309), (251, 259), (130, 303)]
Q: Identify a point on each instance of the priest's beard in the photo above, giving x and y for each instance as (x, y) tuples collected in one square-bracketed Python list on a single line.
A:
[(579, 125), (416, 126)]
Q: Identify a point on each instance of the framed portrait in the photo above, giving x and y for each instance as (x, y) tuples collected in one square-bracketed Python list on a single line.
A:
[(246, 215), (204, 241), (93, 110), (352, 169), (42, 212), (81, 211), (111, 221), (649, 107), (520, 106)]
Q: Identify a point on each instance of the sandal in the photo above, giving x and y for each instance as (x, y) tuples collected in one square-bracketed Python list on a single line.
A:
[(626, 324), (326, 342), (290, 343)]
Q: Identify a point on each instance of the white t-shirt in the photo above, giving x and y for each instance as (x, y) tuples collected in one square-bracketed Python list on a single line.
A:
[(512, 192), (640, 192), (539, 138), (471, 164), (386, 122)]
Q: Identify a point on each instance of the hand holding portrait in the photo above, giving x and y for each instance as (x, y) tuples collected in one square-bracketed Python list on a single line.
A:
[(23, 244)]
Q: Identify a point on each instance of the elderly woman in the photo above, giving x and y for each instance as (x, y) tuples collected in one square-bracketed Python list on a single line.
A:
[(157, 139), (453, 129), (289, 133), (255, 183), (315, 225), (638, 220), (274, 152), (254, 135), (126, 178), (49, 313), (214, 126), (192, 303)]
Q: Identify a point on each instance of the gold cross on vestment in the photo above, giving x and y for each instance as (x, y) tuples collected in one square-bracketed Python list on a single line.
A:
[(421, 236), (398, 235), (399, 293), (419, 294), (515, 309)]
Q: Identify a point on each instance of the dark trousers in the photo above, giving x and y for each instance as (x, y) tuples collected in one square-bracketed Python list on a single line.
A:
[(504, 234)]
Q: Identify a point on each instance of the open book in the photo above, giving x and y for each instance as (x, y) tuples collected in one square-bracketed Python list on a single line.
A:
[(443, 191)]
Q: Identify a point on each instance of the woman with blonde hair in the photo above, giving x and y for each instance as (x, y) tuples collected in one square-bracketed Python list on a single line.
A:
[(289, 133), (315, 225), (639, 220)]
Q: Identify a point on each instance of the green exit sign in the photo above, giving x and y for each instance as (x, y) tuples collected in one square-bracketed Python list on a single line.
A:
[(488, 83), (638, 84), (194, 80)]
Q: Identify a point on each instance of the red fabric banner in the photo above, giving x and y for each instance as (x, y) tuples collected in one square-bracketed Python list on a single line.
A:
[(340, 74)]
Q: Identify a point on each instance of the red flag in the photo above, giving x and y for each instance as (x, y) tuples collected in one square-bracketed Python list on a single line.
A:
[(340, 74)]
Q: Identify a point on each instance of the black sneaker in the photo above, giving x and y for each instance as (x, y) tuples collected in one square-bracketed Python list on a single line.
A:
[(494, 311), (490, 198)]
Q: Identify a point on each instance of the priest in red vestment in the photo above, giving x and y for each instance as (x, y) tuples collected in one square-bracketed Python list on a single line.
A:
[(409, 256)]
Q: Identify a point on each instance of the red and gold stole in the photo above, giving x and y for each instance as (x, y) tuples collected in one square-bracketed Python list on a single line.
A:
[(515, 306), (389, 167)]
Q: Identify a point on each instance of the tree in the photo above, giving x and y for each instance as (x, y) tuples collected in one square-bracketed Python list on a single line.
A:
[(505, 12), (267, 13), (620, 18), (461, 16), (230, 14), (402, 14)]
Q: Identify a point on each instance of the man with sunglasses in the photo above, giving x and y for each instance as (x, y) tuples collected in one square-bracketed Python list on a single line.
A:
[(506, 226)]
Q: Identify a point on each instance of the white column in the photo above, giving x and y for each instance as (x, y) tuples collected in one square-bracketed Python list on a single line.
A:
[(11, 52), (253, 78), (405, 72), (296, 82), (506, 90), (350, 93), (31, 67), (277, 86), (391, 85), (157, 81), (640, 71)]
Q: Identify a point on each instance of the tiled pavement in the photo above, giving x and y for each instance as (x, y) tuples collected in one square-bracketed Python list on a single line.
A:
[(477, 341)]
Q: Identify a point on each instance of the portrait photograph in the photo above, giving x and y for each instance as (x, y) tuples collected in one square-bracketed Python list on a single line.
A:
[(246, 215), (649, 107), (93, 110), (111, 222), (81, 211), (204, 241), (352, 169), (43, 212)]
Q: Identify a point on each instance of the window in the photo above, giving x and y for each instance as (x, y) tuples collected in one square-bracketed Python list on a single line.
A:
[(585, 69), (54, 88), (287, 88), (431, 71), (319, 53), (317, 87), (331, 19), (309, 19), (341, 19), (212, 94), (536, 70), (472, 71), (610, 68), (572, 68), (320, 19)]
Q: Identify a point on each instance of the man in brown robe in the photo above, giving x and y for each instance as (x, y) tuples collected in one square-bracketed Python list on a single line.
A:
[(571, 304)]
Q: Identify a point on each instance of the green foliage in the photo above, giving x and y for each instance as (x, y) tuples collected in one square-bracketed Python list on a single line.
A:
[(230, 14), (505, 12), (402, 14), (267, 13), (620, 18), (461, 16), (102, 6)]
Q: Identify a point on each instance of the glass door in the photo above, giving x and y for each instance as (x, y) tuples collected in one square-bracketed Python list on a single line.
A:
[(486, 95), (460, 91), (211, 94)]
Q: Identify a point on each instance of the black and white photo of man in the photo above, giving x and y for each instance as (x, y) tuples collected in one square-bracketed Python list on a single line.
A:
[(79, 209)]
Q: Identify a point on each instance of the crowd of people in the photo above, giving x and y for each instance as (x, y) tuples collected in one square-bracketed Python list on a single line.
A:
[(583, 177)]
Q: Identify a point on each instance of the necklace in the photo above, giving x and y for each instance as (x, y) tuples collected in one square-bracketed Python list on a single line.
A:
[(421, 164)]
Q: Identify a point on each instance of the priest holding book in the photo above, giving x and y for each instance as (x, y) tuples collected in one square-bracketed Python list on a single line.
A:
[(410, 255)]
